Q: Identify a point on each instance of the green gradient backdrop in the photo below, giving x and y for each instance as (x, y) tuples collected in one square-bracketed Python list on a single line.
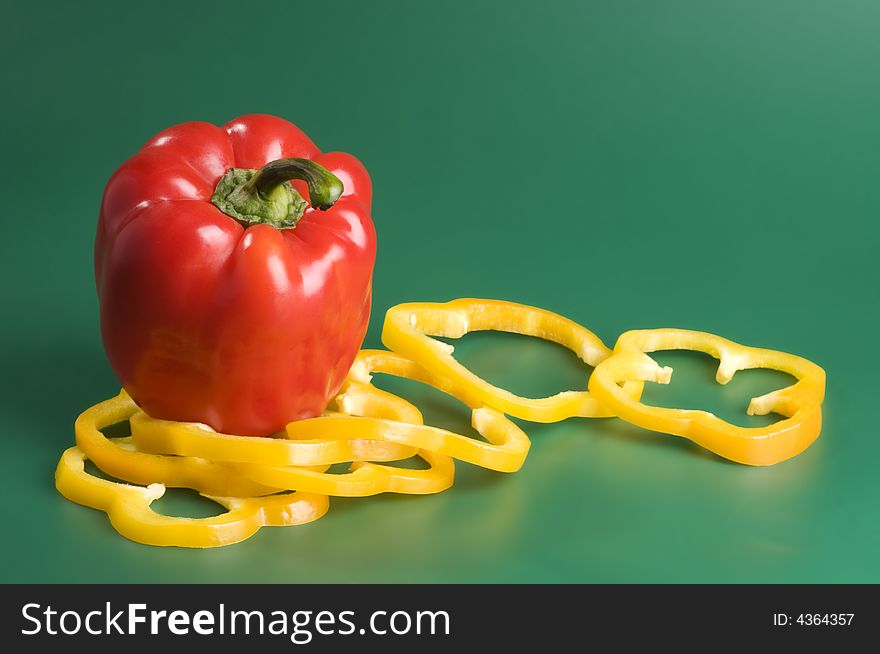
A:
[(697, 164)]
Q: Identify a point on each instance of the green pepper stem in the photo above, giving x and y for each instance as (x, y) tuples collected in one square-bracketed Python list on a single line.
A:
[(324, 187), (263, 197)]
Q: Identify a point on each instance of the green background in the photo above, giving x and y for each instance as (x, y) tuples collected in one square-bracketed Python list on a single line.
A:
[(708, 165)]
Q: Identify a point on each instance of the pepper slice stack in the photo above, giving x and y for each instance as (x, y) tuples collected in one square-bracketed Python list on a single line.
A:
[(283, 480)]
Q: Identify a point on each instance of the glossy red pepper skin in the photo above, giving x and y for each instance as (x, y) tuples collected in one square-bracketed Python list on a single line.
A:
[(206, 321)]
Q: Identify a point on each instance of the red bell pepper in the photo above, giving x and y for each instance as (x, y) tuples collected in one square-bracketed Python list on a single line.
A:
[(229, 296)]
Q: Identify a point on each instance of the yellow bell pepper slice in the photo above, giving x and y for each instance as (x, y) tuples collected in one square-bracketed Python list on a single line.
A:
[(118, 458), (409, 329), (129, 511), (364, 478), (800, 403), (507, 447), (322, 444)]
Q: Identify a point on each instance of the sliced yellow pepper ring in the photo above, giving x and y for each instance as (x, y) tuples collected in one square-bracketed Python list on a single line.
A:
[(116, 457), (409, 329), (365, 478), (128, 508), (322, 444), (507, 447), (800, 403)]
